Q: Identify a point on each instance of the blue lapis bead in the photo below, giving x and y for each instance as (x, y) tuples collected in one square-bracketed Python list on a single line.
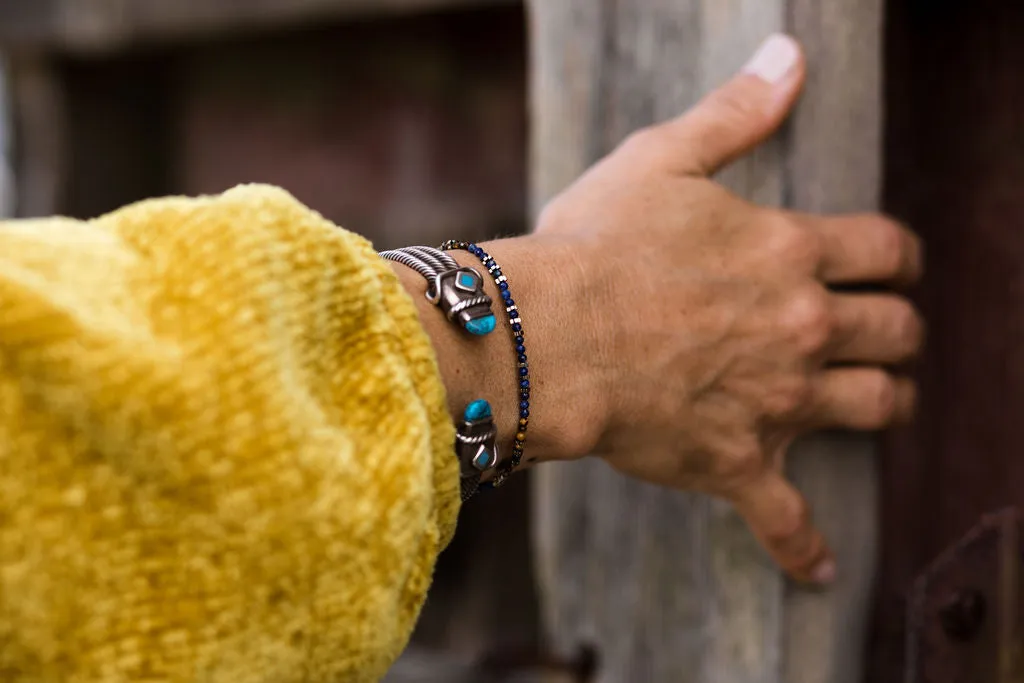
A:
[(522, 358), (524, 413), (496, 272), (523, 372), (505, 294), (520, 348), (519, 339), (503, 287), (477, 410), (516, 327), (523, 405), (525, 384), (509, 302)]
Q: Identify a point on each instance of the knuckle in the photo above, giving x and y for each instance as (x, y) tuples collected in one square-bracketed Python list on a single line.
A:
[(738, 464), (645, 143), (793, 245), (810, 320), (889, 246), (789, 399), (734, 108), (910, 328), (880, 397), (789, 520)]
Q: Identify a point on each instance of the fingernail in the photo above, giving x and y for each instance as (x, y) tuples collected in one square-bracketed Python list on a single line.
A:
[(825, 572), (776, 57)]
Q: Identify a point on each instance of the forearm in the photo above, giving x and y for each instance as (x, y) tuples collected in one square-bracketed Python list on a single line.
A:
[(565, 408)]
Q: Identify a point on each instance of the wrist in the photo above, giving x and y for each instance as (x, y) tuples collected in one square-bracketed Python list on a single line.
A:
[(566, 411)]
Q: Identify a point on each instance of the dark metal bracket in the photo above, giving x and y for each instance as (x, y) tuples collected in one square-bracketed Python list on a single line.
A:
[(965, 618)]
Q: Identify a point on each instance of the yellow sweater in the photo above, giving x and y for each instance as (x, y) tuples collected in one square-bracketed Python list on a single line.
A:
[(224, 448)]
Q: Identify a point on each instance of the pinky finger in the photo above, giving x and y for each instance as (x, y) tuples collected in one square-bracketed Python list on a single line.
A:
[(780, 518)]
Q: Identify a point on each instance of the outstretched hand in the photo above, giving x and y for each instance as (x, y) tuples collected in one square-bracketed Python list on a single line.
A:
[(714, 329)]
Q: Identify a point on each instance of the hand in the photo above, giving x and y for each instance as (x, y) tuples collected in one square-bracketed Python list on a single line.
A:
[(716, 336)]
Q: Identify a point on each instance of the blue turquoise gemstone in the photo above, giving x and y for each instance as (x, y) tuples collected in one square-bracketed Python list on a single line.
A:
[(483, 459), (481, 326), (477, 410), (467, 280)]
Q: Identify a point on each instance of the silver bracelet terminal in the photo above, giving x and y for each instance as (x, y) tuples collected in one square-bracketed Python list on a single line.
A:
[(457, 290)]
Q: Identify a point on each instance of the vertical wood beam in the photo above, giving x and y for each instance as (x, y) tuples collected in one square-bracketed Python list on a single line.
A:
[(668, 586)]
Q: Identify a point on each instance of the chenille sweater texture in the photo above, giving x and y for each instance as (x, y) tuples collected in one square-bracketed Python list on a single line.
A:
[(224, 448)]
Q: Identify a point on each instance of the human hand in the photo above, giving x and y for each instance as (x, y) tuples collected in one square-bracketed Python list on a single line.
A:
[(713, 334)]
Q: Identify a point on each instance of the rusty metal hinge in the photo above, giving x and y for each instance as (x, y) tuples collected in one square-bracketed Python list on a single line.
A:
[(964, 618)]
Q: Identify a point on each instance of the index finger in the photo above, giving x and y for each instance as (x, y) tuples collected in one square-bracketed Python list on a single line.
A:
[(865, 248), (780, 518)]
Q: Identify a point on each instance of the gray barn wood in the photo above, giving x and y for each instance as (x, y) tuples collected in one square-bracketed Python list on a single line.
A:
[(667, 586)]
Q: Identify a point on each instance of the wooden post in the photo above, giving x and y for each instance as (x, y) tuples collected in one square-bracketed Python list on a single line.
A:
[(667, 586)]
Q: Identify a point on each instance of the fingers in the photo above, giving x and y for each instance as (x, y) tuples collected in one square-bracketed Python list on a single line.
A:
[(780, 519), (874, 328), (739, 115), (865, 248), (859, 398)]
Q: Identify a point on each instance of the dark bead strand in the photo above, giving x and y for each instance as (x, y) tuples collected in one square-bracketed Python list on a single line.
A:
[(523, 374)]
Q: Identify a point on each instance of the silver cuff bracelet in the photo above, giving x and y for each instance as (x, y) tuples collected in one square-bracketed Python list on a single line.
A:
[(458, 291)]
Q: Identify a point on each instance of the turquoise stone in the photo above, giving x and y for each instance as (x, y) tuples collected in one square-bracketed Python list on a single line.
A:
[(481, 326), (477, 410), (483, 459), (467, 280)]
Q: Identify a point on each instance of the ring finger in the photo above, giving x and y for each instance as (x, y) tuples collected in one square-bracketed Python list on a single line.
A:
[(874, 328)]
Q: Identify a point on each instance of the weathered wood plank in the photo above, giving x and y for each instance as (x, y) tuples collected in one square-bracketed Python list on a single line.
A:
[(834, 155), (671, 587), (102, 25)]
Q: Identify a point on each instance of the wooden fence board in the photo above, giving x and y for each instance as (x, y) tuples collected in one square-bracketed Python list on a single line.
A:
[(668, 586)]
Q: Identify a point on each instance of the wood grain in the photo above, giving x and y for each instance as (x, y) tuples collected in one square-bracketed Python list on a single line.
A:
[(667, 586)]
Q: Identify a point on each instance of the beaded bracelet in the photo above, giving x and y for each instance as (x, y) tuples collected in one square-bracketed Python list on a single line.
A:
[(516, 326)]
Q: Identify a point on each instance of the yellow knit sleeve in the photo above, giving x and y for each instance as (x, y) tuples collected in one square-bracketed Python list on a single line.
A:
[(224, 448)]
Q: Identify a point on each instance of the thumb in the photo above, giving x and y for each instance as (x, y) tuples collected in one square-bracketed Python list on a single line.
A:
[(742, 113)]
